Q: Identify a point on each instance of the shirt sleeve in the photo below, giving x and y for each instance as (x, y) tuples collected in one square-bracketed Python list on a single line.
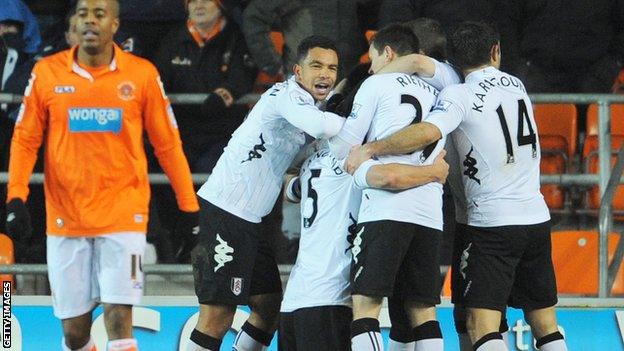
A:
[(357, 124), (443, 76), (27, 136), (448, 112), (163, 134), (299, 110), (359, 177)]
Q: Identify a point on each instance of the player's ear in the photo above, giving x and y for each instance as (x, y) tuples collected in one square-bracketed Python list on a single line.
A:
[(297, 70), (115, 25), (388, 53), (495, 52)]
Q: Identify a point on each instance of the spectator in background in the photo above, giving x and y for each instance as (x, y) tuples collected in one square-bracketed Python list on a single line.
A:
[(14, 13), (19, 34), (148, 21), (89, 107), (19, 37), (565, 46), (448, 12), (207, 54), (12, 58), (298, 19)]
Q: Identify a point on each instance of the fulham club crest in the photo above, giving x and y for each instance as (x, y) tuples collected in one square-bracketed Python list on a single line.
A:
[(125, 90), (237, 286)]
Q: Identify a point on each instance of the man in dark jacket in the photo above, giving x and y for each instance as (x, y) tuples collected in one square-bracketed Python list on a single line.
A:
[(207, 54), (298, 19)]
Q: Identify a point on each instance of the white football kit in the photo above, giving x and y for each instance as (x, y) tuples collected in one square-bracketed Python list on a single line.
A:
[(329, 208), (384, 104), (248, 176), (443, 76), (491, 120)]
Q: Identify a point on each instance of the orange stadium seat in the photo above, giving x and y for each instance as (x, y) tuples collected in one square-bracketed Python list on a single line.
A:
[(278, 41), (7, 256), (264, 80), (575, 257), (557, 129), (590, 151)]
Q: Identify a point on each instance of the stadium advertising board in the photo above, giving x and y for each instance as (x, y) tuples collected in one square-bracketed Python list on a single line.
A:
[(166, 325)]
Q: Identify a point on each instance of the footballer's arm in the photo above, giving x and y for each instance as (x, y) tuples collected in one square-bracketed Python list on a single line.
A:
[(438, 74), (396, 176), (407, 140), (446, 116), (419, 64)]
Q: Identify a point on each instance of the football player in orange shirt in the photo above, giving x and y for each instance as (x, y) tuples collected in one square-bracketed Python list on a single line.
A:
[(90, 105)]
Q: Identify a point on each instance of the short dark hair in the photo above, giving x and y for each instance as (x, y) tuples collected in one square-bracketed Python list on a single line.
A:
[(398, 37), (115, 7), (314, 41), (471, 44), (431, 37)]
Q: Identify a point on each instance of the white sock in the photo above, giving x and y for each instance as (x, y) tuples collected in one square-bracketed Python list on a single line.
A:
[(244, 342), (90, 346), (464, 342), (394, 345), (435, 344), (505, 336), (122, 345), (493, 345), (191, 346), (556, 345), (250, 338), (369, 341)]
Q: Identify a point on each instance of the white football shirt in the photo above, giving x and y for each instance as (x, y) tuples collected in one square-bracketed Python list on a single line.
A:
[(329, 207), (384, 104), (443, 76), (454, 180), (248, 176), (494, 131)]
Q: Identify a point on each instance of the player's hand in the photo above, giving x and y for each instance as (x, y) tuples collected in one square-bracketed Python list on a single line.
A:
[(334, 102), (213, 105), (186, 229), (226, 96), (292, 188), (441, 168), (358, 155), (18, 221)]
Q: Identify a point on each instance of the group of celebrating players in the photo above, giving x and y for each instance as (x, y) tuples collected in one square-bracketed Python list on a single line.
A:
[(371, 203), (370, 188)]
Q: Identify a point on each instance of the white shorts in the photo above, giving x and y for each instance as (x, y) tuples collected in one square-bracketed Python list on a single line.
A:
[(84, 271)]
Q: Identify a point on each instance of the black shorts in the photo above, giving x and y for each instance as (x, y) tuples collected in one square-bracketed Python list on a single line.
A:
[(393, 258), (316, 328), (232, 260), (459, 244), (507, 265)]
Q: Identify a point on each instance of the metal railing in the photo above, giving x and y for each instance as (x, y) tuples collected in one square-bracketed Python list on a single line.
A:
[(606, 276), (602, 179)]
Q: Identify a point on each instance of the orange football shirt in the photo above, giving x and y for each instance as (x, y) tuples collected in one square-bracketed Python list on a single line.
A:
[(91, 121)]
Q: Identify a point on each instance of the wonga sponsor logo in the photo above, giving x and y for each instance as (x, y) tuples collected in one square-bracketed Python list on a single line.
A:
[(95, 120)]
